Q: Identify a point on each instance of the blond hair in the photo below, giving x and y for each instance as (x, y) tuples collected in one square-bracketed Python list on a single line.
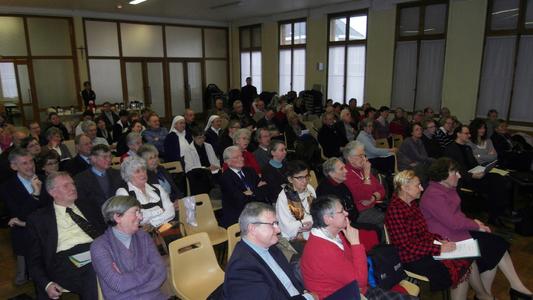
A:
[(403, 178)]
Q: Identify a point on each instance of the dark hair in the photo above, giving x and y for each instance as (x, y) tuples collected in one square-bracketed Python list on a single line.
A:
[(50, 115), (86, 83), (44, 157), (412, 126), (369, 110), (27, 140), (384, 108), (320, 207), (475, 125), (491, 111), (295, 167), (197, 131), (123, 113), (135, 122), (440, 169), (427, 109), (458, 129), (87, 113), (100, 148)]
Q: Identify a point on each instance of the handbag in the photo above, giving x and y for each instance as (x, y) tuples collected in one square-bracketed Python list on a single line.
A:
[(388, 269)]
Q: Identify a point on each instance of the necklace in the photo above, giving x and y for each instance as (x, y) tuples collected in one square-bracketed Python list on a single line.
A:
[(360, 175)]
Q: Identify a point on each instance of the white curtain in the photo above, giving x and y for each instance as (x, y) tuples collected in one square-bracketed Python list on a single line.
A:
[(403, 89), (245, 67), (496, 75), (521, 106), (430, 70), (336, 73), (298, 71), (284, 71), (355, 77), (8, 81), (257, 79)]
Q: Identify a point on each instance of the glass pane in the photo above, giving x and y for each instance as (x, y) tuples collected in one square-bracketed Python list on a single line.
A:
[(256, 37), (215, 43), (49, 36), (300, 33), (102, 38), (521, 108), (409, 21), (245, 38), (12, 36), (298, 72), (24, 83), (529, 15), (430, 71), (355, 77), (155, 87), (336, 74), (358, 28), (28, 113), (284, 71), (54, 82), (177, 88), (134, 79), (403, 86), (245, 67), (184, 41), (194, 75), (140, 40), (216, 72), (106, 80), (285, 34), (337, 29), (504, 14), (8, 82), (435, 19), (257, 79)]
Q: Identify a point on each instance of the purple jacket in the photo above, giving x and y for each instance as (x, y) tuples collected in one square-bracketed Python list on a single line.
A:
[(142, 271), (441, 207)]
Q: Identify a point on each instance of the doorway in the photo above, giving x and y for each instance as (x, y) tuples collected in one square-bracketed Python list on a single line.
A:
[(186, 86), (17, 91)]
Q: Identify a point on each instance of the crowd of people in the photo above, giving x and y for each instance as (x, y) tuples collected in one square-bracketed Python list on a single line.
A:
[(75, 218)]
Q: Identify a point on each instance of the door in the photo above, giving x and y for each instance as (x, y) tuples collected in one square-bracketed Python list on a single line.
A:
[(16, 92), (186, 87), (145, 82)]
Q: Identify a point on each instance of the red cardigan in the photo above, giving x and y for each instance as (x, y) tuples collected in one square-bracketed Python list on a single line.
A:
[(326, 268), (360, 190)]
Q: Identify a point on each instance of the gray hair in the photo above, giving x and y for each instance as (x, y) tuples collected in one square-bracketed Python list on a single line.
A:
[(274, 146), (117, 205), (130, 165), (77, 138), (251, 214), (51, 179), (147, 149), (226, 155), (323, 206), (53, 131), (258, 133), (16, 153), (329, 165), (132, 137), (239, 133), (86, 124), (350, 148)]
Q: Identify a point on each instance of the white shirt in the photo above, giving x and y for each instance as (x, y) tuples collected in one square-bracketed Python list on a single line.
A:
[(288, 225), (320, 234), (192, 159)]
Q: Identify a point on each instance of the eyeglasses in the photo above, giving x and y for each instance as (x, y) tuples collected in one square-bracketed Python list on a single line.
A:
[(302, 177), (360, 156), (273, 224), (342, 212)]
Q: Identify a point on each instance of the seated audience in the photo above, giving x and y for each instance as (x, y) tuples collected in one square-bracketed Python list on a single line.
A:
[(134, 141), (57, 232), (381, 125), (431, 144), (81, 161), (444, 134), (329, 137), (226, 138), (31, 144), (346, 127), (177, 140), (481, 146), (241, 114), (87, 115), (274, 172), (155, 134), (258, 107), (366, 189), (428, 113), (102, 131), (268, 119), (122, 145), (444, 113), (512, 154), (257, 267), (491, 122), (190, 117), (354, 110), (408, 231), (213, 131), (399, 125), (108, 115), (201, 164), (241, 138), (156, 207), (219, 109), (262, 155), (55, 121), (295, 130), (239, 185), (122, 126), (125, 258), (292, 206), (335, 255), (381, 158), (47, 163), (19, 133), (441, 206), (54, 139), (412, 153), (157, 174), (35, 131), (89, 129), (418, 117)]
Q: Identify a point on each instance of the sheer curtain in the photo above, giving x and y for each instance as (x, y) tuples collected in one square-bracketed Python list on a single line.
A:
[(8, 80), (284, 71), (430, 70), (245, 67), (403, 89), (496, 75), (257, 79), (298, 71), (336, 74), (355, 77), (521, 107)]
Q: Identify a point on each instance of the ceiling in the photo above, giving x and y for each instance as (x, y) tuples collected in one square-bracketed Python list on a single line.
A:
[(209, 10)]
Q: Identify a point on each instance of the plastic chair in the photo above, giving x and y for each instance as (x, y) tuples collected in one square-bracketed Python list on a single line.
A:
[(313, 181), (194, 270), (173, 167), (397, 140), (205, 217), (115, 160), (71, 146), (100, 294), (382, 143), (234, 236)]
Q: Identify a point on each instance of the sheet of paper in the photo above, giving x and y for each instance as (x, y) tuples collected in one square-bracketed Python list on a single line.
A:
[(477, 169), (464, 249)]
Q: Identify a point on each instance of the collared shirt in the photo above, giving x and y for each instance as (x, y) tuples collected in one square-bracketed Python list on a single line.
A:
[(69, 234), (278, 271), (321, 234), (97, 172), (217, 131), (26, 183), (86, 159)]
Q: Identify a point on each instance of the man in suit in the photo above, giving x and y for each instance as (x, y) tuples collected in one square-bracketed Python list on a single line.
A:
[(240, 185), (122, 125), (22, 196), (100, 182), (81, 161), (257, 268), (58, 232), (248, 94), (19, 133), (109, 116)]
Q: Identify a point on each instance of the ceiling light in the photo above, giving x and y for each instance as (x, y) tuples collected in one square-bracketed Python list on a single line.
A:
[(134, 2)]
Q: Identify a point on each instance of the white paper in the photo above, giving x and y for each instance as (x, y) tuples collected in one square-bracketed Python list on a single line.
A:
[(477, 169), (81, 259), (464, 249)]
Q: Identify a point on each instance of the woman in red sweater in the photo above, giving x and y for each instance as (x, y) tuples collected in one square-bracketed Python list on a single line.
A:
[(334, 256), (242, 139)]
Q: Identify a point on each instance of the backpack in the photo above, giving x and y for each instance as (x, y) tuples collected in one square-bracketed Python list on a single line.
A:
[(387, 267)]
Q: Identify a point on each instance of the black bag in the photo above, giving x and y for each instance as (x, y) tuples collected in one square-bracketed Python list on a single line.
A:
[(388, 269), (525, 227)]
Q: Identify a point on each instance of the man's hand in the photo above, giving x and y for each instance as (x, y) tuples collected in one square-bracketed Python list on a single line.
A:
[(447, 247), (54, 291), (393, 150), (351, 234), (16, 222), (36, 184)]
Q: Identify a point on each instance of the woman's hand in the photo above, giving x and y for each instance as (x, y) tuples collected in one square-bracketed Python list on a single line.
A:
[(447, 246), (482, 227), (478, 175), (351, 234), (306, 226)]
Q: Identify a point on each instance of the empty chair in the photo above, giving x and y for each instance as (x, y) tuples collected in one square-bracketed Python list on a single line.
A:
[(234, 236), (382, 143)]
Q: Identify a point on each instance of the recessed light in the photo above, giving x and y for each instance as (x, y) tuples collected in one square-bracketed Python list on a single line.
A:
[(119, 6), (134, 2)]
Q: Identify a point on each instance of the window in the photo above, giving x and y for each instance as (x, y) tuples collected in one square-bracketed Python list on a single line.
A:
[(250, 45), (419, 56), (507, 73), (8, 81), (346, 56), (292, 40)]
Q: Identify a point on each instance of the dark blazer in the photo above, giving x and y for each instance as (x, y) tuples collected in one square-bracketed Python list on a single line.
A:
[(119, 129), (274, 179), (108, 123), (213, 139), (330, 140), (90, 194), (328, 187), (233, 197), (109, 138), (172, 146), (20, 204), (264, 123), (42, 228), (76, 165), (342, 132), (432, 146), (249, 277), (464, 156), (175, 193)]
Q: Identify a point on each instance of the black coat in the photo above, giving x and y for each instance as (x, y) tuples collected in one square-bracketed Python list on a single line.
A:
[(326, 187), (213, 139), (75, 165), (175, 193), (331, 141), (274, 179)]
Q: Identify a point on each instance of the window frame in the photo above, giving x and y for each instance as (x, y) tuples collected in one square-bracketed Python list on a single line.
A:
[(249, 49), (345, 44), (291, 47)]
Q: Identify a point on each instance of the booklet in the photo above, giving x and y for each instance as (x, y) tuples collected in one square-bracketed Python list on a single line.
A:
[(81, 259), (464, 249), (483, 169)]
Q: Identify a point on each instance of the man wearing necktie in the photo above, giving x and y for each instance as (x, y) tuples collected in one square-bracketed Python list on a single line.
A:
[(60, 234), (240, 185)]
